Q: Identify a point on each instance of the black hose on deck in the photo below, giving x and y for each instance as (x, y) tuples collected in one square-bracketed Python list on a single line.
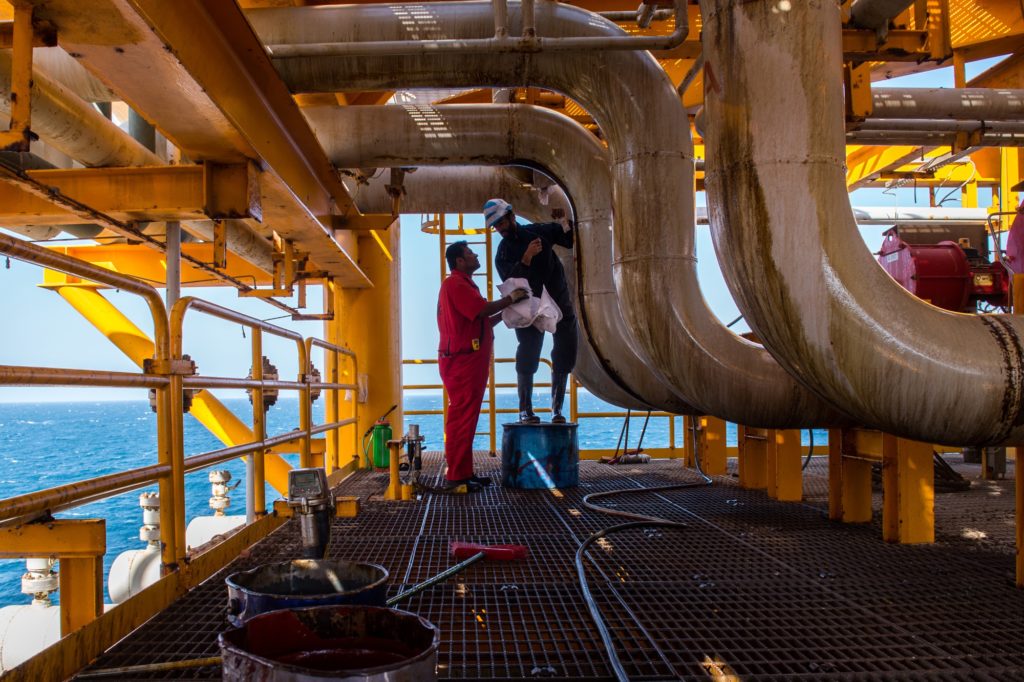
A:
[(639, 521)]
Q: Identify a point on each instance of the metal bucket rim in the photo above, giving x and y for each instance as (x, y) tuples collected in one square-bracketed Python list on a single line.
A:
[(423, 655), (233, 585)]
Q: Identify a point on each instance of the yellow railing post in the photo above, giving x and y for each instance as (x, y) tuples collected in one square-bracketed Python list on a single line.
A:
[(259, 426)]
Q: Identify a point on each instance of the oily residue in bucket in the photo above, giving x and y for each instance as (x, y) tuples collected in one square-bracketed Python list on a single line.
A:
[(284, 638)]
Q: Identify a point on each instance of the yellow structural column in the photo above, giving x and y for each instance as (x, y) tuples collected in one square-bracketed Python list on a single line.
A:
[(849, 479), (908, 478), (751, 445), (712, 446), (784, 477), (134, 343), (370, 324)]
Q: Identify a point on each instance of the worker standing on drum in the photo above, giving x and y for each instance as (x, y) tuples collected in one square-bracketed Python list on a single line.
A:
[(526, 251), (465, 319)]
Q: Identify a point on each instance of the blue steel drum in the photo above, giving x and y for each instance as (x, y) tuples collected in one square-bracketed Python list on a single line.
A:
[(540, 456), (304, 582)]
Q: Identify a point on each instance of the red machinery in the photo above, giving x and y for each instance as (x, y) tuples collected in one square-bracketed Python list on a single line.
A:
[(947, 266)]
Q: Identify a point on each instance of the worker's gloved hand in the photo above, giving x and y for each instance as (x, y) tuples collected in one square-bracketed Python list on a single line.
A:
[(558, 215), (535, 247), (518, 295)]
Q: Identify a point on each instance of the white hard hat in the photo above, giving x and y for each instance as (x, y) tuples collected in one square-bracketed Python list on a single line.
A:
[(495, 210)]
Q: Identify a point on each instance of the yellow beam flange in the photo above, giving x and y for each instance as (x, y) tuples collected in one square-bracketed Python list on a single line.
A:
[(197, 192), (752, 457), (712, 446), (345, 507), (864, 164), (861, 45), (145, 263), (58, 539), (859, 103), (784, 474), (365, 221), (908, 496), (44, 35)]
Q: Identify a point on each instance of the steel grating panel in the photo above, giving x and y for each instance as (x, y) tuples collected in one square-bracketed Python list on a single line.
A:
[(774, 591)]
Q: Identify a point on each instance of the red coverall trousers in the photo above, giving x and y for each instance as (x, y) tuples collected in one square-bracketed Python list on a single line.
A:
[(464, 377)]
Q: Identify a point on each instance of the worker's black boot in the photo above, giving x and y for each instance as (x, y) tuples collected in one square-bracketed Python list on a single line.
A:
[(558, 382), (524, 382)]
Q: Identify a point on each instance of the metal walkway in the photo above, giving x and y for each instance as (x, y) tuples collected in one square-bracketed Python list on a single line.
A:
[(762, 589)]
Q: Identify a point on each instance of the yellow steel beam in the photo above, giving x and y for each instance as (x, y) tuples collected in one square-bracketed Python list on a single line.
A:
[(134, 343), (199, 192), (860, 45), (76, 649), (784, 476), (79, 545), (865, 163), (44, 35), (58, 539), (227, 105), (145, 263), (712, 446)]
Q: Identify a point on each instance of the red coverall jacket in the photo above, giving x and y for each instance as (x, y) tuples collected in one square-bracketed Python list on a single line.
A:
[(464, 357)]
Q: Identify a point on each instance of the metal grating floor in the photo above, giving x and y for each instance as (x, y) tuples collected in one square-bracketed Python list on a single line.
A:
[(766, 590)]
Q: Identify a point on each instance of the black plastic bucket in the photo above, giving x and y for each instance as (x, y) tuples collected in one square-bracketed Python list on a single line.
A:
[(346, 643), (304, 582)]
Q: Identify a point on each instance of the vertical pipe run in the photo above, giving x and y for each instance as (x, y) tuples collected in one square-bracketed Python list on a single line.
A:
[(255, 465), (500, 18), (165, 456), (173, 256), (529, 23), (21, 72)]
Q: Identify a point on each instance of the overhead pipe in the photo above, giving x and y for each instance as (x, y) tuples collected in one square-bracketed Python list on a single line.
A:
[(912, 125), (962, 104), (876, 14), (72, 125), (352, 46), (923, 138), (510, 134), (713, 369), (812, 292)]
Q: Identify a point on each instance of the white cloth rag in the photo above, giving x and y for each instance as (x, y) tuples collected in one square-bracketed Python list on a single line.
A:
[(542, 313)]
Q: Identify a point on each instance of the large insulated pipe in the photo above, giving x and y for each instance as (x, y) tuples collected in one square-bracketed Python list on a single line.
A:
[(876, 14), (962, 104), (811, 290), (73, 126), (464, 189), (706, 364), (509, 134)]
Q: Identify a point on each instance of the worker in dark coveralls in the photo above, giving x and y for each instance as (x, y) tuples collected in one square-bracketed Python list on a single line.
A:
[(525, 251), (465, 319)]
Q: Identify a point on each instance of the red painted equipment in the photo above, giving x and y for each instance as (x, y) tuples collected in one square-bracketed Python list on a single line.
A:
[(946, 266)]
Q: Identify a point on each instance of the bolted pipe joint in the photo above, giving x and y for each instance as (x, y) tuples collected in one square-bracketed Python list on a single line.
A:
[(150, 530), (269, 394), (40, 580), (221, 499), (314, 377)]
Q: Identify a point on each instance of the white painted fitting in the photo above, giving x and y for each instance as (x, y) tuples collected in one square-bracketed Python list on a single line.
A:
[(132, 572), (40, 580), (221, 499), (25, 631), (202, 529)]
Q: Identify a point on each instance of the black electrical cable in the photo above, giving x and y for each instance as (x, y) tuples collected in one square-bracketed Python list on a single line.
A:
[(810, 449), (624, 429), (639, 521), (643, 431)]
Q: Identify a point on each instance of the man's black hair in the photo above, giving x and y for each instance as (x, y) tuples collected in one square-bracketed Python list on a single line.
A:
[(455, 250)]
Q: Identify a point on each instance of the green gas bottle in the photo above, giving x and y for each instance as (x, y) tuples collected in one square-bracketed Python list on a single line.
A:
[(379, 444)]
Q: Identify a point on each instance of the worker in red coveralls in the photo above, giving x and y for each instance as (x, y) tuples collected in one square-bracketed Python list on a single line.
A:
[(465, 319)]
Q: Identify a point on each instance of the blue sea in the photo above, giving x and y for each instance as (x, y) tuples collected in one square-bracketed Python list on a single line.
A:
[(48, 444)]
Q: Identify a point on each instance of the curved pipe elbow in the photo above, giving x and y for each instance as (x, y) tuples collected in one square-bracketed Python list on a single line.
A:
[(824, 307)]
